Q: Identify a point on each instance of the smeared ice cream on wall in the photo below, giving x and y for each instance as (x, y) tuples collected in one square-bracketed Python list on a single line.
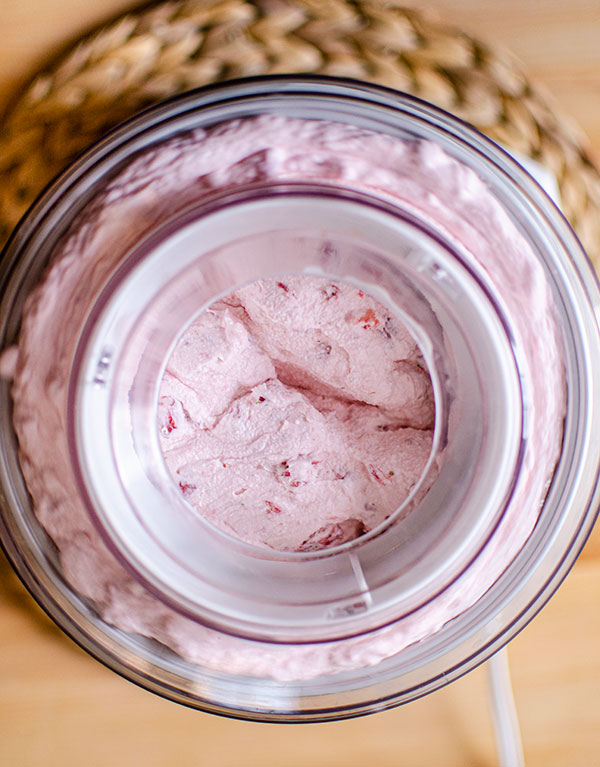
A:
[(151, 188)]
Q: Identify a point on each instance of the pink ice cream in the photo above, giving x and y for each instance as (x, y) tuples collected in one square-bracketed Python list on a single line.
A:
[(296, 415), (340, 394)]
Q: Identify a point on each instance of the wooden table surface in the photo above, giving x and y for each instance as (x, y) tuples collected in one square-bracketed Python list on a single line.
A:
[(59, 707)]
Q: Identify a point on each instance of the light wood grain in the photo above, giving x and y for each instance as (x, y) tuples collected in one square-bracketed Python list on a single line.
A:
[(59, 707)]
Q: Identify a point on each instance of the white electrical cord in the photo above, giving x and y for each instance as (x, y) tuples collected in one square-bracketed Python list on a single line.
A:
[(506, 722)]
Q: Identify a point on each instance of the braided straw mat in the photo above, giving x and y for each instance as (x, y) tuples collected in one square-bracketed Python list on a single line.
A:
[(170, 47)]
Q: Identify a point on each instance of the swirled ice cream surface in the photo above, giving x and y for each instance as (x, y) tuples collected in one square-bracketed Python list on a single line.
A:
[(296, 414), (332, 423)]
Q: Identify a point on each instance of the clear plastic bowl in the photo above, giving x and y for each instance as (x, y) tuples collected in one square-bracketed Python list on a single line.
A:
[(470, 337)]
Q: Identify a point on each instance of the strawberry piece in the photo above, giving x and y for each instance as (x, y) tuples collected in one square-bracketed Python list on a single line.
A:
[(368, 320), (378, 475), (186, 488), (333, 534)]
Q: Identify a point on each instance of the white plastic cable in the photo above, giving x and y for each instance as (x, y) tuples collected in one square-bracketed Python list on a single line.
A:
[(506, 722)]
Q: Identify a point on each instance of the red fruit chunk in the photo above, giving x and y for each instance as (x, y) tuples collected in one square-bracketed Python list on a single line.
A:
[(186, 488), (333, 534), (378, 475), (368, 319), (330, 291)]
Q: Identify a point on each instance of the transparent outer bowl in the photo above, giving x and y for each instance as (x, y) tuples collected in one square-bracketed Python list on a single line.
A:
[(572, 500)]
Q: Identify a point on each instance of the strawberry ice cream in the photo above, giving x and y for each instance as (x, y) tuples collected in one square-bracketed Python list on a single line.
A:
[(296, 413)]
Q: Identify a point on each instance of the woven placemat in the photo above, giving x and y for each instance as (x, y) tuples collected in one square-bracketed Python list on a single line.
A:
[(170, 47)]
